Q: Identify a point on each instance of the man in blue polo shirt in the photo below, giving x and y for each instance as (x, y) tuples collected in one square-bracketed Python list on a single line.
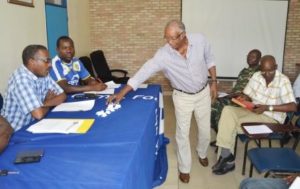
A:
[(68, 71), (31, 91)]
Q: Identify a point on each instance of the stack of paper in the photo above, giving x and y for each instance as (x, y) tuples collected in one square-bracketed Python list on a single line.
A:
[(143, 86), (112, 85), (61, 126), (106, 91), (222, 94), (295, 184), (258, 129), (75, 106)]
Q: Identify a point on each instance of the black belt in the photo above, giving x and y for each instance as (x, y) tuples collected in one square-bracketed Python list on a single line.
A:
[(189, 92)]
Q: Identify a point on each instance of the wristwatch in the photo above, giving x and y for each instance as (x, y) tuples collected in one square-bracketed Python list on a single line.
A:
[(271, 108)]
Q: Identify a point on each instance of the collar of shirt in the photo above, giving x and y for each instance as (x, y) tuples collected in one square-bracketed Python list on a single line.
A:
[(190, 45), (272, 83), (57, 58), (28, 72)]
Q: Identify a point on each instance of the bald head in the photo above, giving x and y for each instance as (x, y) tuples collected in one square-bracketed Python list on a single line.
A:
[(268, 61), (268, 67)]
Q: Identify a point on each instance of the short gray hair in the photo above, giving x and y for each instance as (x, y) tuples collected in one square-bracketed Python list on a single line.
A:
[(176, 23)]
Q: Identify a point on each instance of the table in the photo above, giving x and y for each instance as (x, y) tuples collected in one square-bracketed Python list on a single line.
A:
[(126, 149)]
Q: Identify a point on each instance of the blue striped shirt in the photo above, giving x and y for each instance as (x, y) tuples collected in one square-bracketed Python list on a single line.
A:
[(71, 72), (188, 74), (25, 93)]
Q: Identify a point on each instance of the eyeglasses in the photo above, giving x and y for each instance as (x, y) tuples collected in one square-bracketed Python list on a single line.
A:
[(173, 38), (267, 72), (45, 60)]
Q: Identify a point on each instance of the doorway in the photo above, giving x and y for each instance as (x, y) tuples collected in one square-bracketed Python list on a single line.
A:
[(56, 22)]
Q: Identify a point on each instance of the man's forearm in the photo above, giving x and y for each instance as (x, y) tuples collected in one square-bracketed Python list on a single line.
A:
[(55, 100), (40, 112), (289, 107), (213, 73)]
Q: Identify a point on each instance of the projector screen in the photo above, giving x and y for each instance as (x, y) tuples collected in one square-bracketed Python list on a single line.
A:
[(234, 27)]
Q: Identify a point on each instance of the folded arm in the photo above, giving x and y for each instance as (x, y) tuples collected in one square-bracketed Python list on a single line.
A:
[(90, 84), (51, 100)]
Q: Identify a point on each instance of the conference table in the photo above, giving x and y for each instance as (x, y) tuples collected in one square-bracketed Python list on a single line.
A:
[(126, 149)]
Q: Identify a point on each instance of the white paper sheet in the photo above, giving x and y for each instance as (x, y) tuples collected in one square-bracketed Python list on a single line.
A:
[(56, 126), (258, 129), (143, 86), (222, 94), (106, 91), (75, 106), (112, 85), (295, 184)]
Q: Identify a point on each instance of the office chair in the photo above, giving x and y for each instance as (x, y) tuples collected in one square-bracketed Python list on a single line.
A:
[(274, 136), (88, 65), (103, 71), (281, 160), (1, 101)]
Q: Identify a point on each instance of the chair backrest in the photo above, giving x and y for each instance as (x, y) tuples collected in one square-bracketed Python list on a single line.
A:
[(1, 101), (87, 64), (100, 64)]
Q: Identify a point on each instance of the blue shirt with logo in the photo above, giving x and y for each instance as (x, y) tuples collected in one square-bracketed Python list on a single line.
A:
[(71, 72)]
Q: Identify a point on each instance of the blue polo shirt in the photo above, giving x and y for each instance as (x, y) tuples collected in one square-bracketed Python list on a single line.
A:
[(71, 72)]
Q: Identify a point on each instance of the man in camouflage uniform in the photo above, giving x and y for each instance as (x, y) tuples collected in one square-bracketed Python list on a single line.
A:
[(253, 59)]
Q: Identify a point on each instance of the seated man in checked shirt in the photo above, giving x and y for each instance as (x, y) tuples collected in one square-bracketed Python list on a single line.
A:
[(31, 92), (272, 94)]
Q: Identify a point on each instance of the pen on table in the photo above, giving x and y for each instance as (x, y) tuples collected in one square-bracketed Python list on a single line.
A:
[(5, 172)]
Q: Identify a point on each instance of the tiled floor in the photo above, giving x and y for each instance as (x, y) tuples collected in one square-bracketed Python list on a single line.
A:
[(201, 177)]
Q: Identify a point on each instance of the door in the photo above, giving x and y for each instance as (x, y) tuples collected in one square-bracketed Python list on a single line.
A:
[(56, 23)]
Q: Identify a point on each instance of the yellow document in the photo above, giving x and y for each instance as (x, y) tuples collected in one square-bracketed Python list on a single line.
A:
[(61, 126)]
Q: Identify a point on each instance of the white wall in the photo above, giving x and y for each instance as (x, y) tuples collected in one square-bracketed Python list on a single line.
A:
[(234, 27), (79, 31), (21, 26)]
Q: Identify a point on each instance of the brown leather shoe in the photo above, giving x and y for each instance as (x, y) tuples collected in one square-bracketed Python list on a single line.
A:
[(203, 162), (184, 177)]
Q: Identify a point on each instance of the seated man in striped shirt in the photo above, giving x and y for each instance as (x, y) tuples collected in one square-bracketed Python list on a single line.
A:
[(68, 71), (31, 92), (272, 94)]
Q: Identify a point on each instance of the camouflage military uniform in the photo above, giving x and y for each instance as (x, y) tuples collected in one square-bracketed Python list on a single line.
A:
[(218, 105)]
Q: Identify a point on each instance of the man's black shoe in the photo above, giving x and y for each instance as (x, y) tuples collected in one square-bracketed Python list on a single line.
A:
[(223, 161), (228, 166)]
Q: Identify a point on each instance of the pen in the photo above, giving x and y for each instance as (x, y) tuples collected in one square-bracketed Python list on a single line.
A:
[(5, 172), (99, 80)]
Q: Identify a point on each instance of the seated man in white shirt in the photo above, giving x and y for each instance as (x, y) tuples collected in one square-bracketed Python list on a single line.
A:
[(272, 94)]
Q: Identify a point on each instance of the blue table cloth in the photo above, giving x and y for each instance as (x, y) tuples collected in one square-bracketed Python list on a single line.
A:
[(126, 149)]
